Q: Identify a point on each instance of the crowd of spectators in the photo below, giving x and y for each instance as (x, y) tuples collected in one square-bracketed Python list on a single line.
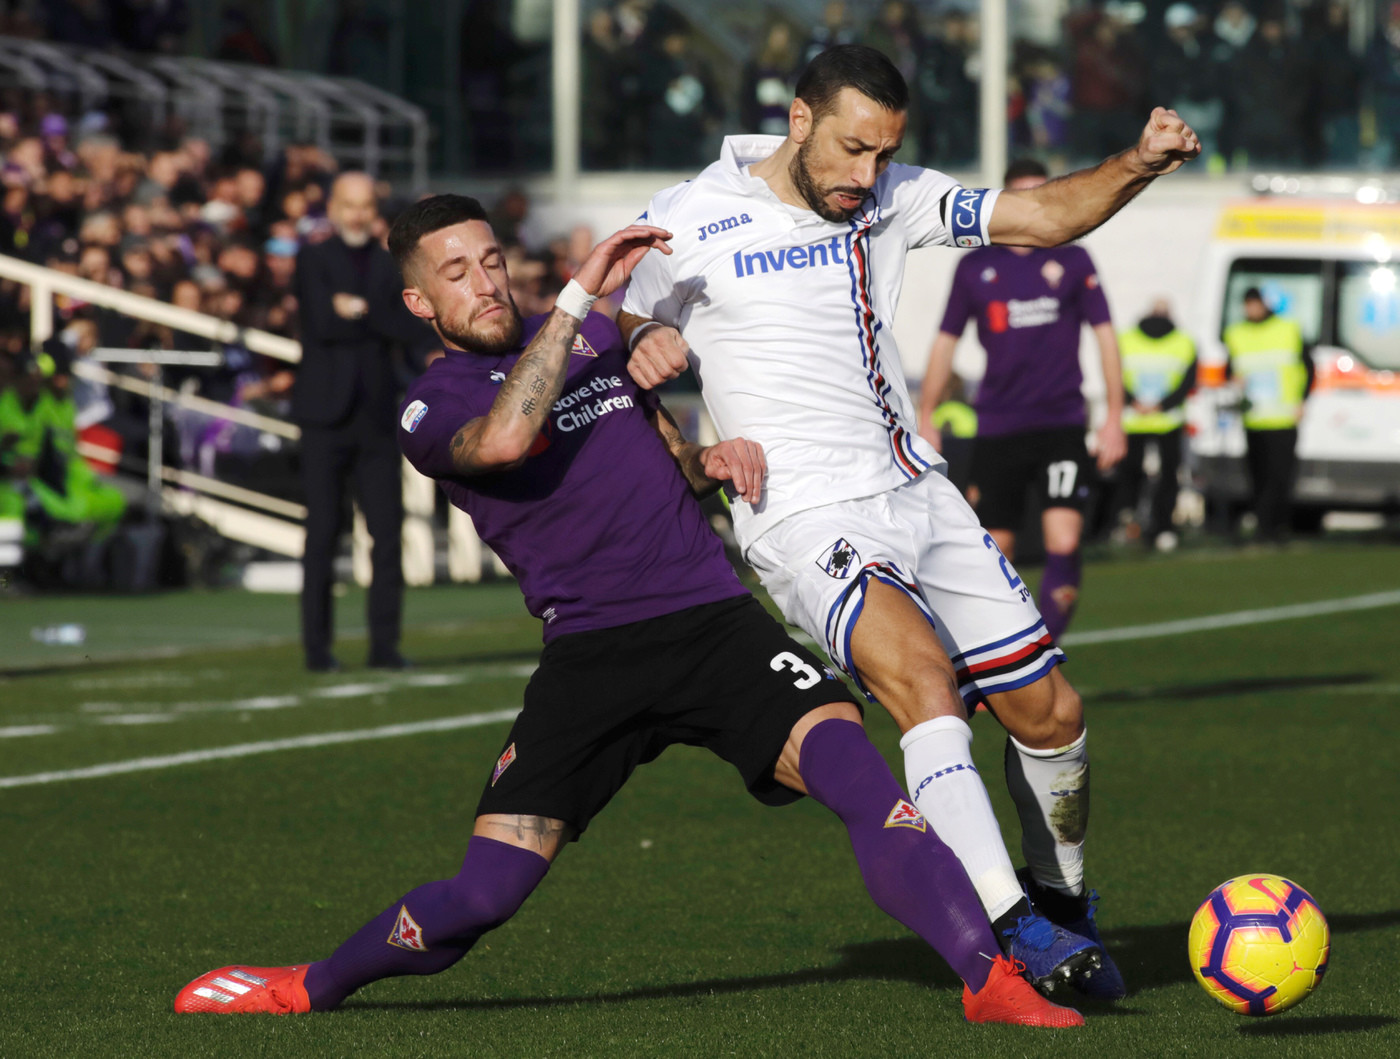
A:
[(218, 235), (1267, 82)]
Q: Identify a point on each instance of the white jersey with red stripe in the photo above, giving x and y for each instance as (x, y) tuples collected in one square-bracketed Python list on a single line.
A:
[(788, 319)]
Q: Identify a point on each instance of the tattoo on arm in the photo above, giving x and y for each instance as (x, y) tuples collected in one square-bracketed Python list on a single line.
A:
[(535, 390), (685, 453), (522, 403)]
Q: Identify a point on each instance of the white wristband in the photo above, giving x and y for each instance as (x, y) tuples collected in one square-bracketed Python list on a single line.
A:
[(574, 300), (639, 331)]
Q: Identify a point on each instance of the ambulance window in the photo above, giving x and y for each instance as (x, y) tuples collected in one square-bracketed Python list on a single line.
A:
[(1368, 312), (1292, 288)]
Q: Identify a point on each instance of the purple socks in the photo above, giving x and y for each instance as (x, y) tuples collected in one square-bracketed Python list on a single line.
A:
[(432, 927), (909, 872), (1059, 592)]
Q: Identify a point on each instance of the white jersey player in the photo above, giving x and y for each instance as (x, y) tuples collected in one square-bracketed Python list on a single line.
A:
[(787, 265)]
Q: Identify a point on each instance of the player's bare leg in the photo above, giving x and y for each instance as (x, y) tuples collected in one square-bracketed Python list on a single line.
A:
[(1047, 773), (902, 664), (910, 874)]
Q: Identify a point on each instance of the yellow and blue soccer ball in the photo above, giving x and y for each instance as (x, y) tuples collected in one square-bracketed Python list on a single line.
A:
[(1259, 944)]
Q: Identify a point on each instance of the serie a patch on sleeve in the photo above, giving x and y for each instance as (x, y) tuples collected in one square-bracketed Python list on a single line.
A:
[(413, 415)]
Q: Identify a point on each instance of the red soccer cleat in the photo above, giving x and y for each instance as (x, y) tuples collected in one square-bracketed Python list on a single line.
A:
[(240, 990), (1009, 998)]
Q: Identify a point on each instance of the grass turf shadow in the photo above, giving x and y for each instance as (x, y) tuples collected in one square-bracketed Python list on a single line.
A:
[(1316, 1025), (1150, 957)]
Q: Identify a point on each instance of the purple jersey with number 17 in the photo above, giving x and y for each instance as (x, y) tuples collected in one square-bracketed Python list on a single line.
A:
[(1029, 310), (598, 524)]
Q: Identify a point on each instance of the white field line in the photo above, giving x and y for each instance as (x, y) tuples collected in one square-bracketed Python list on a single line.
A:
[(302, 742), (1370, 601), (143, 712), (19, 731), (1211, 621), (1131, 632)]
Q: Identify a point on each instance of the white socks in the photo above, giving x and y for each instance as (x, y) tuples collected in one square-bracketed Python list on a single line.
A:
[(949, 792), (1051, 792)]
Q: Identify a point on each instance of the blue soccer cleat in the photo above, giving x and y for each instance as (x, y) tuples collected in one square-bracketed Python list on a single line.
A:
[(1106, 983), (1053, 956), (1076, 915)]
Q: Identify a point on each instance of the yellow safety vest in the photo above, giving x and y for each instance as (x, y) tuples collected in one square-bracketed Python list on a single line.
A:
[(958, 419), (1152, 369), (1268, 357)]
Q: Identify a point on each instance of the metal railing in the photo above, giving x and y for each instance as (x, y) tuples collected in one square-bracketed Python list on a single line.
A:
[(239, 513), (358, 123)]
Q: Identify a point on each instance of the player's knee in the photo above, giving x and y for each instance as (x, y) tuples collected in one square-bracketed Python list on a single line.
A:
[(1045, 715)]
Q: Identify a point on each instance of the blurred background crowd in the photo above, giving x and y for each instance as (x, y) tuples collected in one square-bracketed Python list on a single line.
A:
[(1274, 82), (215, 225)]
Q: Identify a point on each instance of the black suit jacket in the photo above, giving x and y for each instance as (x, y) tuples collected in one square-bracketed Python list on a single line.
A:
[(345, 362)]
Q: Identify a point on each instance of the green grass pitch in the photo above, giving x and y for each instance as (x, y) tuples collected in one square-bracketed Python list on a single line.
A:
[(690, 921)]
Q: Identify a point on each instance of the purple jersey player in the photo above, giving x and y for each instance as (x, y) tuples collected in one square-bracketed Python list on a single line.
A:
[(1030, 306), (586, 489)]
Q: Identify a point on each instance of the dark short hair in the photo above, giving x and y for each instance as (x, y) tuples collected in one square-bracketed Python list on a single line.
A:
[(1253, 294), (1024, 167), (427, 216), (857, 66)]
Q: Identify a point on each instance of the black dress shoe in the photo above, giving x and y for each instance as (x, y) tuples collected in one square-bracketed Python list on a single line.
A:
[(328, 664), (390, 661)]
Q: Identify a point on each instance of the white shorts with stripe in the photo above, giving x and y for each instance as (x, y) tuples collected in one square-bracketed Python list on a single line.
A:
[(923, 539)]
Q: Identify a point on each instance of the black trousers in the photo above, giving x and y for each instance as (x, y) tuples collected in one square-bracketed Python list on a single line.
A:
[(365, 455), (1273, 462), (1162, 501)]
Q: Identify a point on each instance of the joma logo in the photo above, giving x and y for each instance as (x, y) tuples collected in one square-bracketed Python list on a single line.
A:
[(729, 223)]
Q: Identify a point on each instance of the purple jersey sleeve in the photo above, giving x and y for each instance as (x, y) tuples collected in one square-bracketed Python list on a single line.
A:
[(427, 424), (1093, 305), (960, 307)]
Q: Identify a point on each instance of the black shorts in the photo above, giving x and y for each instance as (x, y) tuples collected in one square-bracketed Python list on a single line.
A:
[(1055, 463), (722, 675)]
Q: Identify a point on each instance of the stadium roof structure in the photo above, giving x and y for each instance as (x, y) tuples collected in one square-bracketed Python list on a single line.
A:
[(359, 124)]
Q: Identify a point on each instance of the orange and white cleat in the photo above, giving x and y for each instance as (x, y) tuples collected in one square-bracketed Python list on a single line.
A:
[(1009, 998), (240, 990)]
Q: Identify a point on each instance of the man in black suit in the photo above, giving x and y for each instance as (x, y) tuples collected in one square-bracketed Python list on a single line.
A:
[(345, 400)]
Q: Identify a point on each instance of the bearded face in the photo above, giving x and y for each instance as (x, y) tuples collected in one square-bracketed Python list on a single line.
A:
[(487, 330), (819, 197)]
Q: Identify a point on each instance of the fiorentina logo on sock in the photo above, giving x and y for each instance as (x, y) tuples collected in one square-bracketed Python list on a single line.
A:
[(407, 934), (503, 763), (905, 815)]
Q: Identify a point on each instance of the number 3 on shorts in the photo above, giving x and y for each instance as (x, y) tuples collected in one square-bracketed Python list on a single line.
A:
[(1059, 479), (807, 677)]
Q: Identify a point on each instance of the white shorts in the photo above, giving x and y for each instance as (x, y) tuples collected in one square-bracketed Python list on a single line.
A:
[(923, 539)]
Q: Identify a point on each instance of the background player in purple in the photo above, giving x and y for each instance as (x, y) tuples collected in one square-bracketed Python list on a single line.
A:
[(1030, 305), (586, 489)]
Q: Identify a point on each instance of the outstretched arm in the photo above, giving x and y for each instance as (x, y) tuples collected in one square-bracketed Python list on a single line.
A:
[(707, 467), (501, 439), (1073, 205)]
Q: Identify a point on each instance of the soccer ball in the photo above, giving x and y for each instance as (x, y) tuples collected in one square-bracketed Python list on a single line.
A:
[(1259, 944)]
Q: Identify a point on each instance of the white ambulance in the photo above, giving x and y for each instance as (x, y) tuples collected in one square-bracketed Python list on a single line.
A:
[(1333, 266)]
